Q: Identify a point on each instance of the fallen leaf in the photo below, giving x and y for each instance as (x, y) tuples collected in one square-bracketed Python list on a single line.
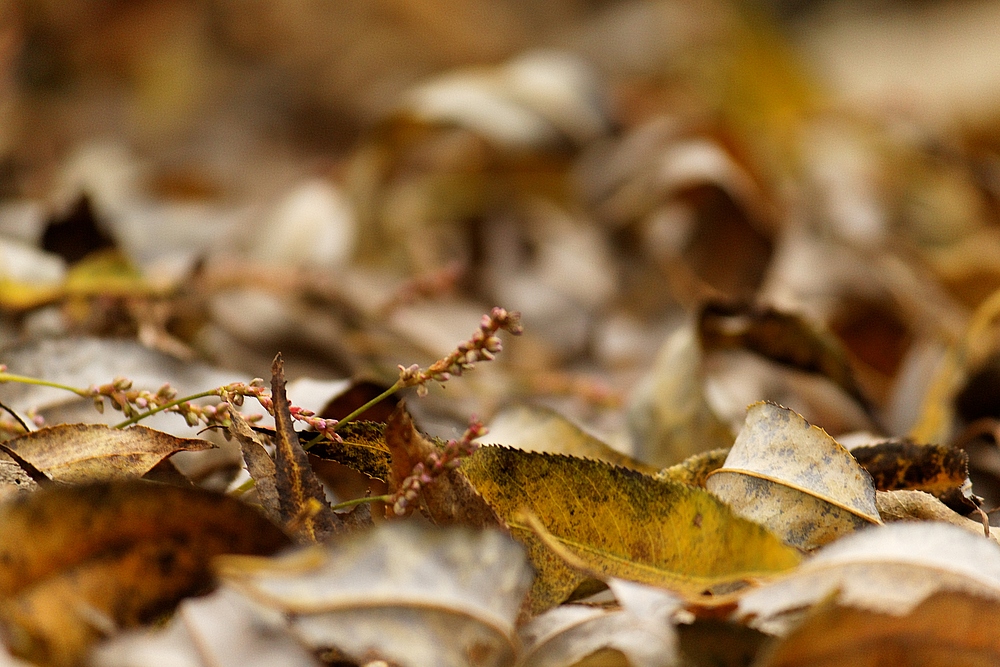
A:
[(944, 630), (303, 503), (785, 338), (538, 429), (669, 418), (363, 449), (940, 470), (641, 629), (450, 498), (889, 570), (792, 477), (410, 594), (79, 453), (220, 629), (620, 523), (260, 465), (906, 505), (78, 562), (694, 470)]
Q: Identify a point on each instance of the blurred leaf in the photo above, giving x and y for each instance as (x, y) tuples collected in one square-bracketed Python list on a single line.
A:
[(944, 630), (617, 522), (450, 498), (694, 470), (538, 429), (785, 338), (794, 478), (906, 505), (78, 453), (301, 497), (80, 561), (641, 629), (405, 593), (888, 570), (222, 629), (669, 418)]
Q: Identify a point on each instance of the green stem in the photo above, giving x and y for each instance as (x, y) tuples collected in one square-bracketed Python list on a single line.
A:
[(244, 487), (166, 406), (24, 379), (384, 395), (361, 501)]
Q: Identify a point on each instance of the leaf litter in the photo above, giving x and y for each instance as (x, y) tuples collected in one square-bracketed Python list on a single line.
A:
[(689, 221)]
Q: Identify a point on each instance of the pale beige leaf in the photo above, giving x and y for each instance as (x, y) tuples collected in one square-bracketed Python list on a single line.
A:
[(223, 629), (406, 593), (910, 505), (78, 453), (889, 570), (537, 429), (795, 479), (641, 629)]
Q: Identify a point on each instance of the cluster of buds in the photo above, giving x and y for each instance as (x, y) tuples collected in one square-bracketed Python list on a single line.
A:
[(127, 400), (483, 346), (326, 428), (436, 464)]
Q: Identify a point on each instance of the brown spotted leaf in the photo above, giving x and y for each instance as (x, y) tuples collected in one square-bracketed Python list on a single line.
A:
[(78, 453), (620, 523), (79, 561), (363, 449), (303, 502)]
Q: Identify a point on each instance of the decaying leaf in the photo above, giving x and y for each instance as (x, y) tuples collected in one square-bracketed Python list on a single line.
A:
[(641, 629), (694, 470), (620, 523), (79, 453), (259, 464), (409, 594), (79, 562), (888, 570), (669, 418), (906, 505), (940, 470), (223, 628), (363, 449), (450, 498), (779, 336), (944, 630), (538, 429), (300, 494), (795, 479)]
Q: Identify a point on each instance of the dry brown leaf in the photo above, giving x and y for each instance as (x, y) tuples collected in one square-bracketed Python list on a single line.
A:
[(539, 429), (81, 561), (945, 630), (79, 453), (795, 479), (785, 338), (906, 505), (620, 523), (363, 449), (259, 464), (694, 470), (303, 502), (889, 570), (641, 629), (450, 499), (407, 593)]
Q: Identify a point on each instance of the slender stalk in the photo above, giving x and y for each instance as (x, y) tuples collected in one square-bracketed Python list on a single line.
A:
[(361, 501), (24, 379), (165, 406), (384, 395)]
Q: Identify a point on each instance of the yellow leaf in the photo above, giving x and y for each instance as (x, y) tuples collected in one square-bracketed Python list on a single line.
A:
[(620, 523), (795, 479)]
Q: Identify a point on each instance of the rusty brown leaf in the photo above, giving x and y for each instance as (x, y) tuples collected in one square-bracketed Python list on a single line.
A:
[(78, 562)]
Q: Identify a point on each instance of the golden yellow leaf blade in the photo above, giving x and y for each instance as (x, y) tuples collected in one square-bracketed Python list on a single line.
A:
[(622, 523)]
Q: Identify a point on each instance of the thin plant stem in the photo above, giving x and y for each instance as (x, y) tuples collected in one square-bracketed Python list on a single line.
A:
[(165, 406), (360, 501), (384, 395), (24, 379)]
